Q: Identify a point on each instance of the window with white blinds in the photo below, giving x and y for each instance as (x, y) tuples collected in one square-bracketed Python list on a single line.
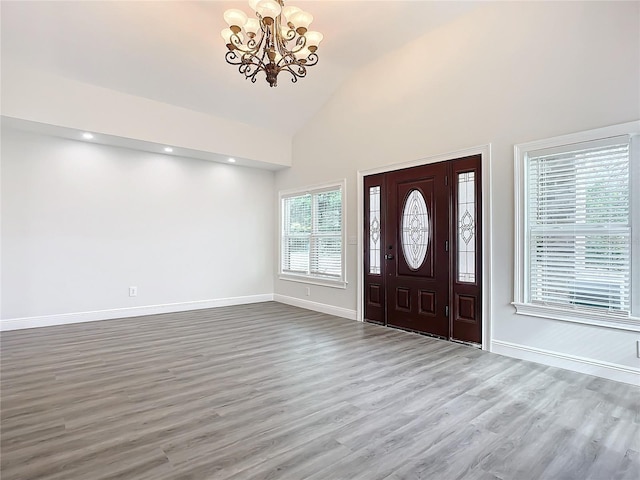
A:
[(579, 226), (577, 251), (312, 234)]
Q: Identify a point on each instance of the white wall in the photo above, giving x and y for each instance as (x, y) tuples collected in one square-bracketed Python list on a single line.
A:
[(507, 73), (83, 222), (43, 97)]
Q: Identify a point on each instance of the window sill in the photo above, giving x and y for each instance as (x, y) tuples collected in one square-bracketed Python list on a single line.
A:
[(588, 318), (324, 282)]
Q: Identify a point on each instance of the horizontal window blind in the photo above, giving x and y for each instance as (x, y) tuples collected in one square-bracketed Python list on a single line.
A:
[(296, 223), (579, 227), (312, 234)]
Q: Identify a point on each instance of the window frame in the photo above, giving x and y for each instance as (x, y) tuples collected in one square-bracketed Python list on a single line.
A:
[(521, 234), (310, 278)]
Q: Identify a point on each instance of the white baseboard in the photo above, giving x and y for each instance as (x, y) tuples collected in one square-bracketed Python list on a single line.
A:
[(316, 307), (78, 317), (611, 371)]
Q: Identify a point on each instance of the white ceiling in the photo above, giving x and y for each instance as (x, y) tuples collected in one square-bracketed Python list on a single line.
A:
[(172, 51)]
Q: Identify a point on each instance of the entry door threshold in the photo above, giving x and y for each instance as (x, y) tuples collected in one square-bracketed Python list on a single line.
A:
[(417, 332), (468, 344)]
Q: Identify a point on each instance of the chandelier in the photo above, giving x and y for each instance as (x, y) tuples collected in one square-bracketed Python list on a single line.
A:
[(277, 40)]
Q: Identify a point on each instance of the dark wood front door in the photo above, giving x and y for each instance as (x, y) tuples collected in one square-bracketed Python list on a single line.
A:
[(417, 261), (422, 249)]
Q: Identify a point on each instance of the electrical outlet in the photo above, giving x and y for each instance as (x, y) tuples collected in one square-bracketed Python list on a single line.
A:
[(133, 291), (308, 291)]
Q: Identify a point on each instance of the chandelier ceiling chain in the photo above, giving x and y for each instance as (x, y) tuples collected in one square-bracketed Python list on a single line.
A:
[(277, 40)]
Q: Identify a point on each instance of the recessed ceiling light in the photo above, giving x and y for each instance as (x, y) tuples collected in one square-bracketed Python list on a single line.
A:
[(87, 135), (168, 149), (232, 160)]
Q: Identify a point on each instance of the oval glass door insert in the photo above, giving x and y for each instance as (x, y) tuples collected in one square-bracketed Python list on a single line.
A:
[(415, 229)]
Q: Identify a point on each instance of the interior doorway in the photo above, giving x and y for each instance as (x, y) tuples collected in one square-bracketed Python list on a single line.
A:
[(422, 250)]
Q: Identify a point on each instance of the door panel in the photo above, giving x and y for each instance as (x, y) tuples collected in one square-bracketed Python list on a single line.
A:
[(417, 279)]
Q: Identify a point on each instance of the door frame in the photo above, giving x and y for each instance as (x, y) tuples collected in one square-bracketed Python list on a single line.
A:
[(485, 152)]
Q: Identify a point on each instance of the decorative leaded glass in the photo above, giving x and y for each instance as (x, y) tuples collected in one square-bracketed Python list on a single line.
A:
[(374, 230), (466, 228), (415, 229)]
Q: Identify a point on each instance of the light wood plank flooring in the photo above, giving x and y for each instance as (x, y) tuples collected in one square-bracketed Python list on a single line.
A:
[(268, 391)]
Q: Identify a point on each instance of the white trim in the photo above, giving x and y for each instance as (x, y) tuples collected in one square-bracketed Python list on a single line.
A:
[(634, 179), (631, 324), (316, 187), (521, 238), (316, 307), (584, 136), (313, 280), (487, 227), (487, 249), (611, 371), (92, 316), (311, 189)]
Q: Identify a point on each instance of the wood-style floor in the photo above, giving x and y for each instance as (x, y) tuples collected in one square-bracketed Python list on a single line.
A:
[(268, 391)]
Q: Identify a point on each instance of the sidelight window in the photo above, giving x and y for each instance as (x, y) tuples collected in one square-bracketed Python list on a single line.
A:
[(466, 227), (375, 251)]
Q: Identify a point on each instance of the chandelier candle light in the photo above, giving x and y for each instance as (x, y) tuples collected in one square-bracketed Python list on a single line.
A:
[(278, 40)]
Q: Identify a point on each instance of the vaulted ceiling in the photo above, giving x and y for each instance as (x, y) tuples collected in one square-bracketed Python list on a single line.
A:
[(172, 52)]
